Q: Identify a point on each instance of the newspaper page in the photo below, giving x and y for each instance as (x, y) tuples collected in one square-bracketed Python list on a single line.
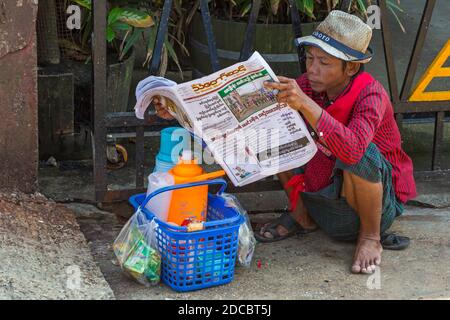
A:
[(249, 133)]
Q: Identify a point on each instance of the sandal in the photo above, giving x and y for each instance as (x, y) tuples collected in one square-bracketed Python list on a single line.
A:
[(285, 220), (391, 241)]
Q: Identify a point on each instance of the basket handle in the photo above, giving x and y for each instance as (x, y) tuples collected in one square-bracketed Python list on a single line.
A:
[(222, 182)]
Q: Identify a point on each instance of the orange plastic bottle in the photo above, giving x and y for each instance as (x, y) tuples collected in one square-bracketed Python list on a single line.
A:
[(189, 203)]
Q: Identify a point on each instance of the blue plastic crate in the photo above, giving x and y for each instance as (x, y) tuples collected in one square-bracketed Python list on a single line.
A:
[(200, 259)]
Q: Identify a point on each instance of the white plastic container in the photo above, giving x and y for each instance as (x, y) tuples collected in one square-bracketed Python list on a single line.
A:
[(160, 204)]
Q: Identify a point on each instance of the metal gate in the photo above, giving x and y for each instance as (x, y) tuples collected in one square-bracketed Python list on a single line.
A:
[(104, 122)]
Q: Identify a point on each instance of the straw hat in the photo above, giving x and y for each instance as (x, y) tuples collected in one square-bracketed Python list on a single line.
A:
[(343, 36)]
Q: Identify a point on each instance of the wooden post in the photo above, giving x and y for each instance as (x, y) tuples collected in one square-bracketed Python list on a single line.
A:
[(18, 95)]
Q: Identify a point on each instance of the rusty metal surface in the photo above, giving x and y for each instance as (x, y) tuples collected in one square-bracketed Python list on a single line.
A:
[(418, 47), (212, 47), (18, 95), (55, 113), (100, 97), (401, 99), (387, 44), (247, 46), (297, 28), (438, 141)]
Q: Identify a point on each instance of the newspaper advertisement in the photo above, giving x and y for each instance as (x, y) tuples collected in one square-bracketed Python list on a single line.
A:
[(249, 133)]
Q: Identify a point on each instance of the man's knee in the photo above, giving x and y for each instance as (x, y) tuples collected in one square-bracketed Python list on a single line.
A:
[(284, 177), (368, 168), (355, 187), (352, 180)]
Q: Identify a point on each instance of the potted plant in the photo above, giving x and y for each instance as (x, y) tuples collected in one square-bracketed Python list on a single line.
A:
[(126, 26), (274, 36)]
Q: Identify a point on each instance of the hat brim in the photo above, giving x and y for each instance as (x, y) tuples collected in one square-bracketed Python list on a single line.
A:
[(313, 41)]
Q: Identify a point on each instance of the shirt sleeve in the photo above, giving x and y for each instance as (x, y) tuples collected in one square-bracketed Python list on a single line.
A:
[(349, 143)]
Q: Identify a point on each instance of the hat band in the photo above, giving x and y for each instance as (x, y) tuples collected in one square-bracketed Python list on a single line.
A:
[(339, 45)]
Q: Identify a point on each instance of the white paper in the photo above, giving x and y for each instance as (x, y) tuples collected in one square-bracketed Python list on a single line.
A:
[(249, 133)]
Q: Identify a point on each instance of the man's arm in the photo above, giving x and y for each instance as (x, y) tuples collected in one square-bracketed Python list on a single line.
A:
[(347, 143)]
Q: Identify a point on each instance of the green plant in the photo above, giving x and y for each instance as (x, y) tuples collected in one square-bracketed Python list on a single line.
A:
[(126, 26), (129, 21), (278, 11)]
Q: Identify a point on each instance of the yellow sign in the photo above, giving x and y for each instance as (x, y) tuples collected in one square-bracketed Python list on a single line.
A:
[(435, 70)]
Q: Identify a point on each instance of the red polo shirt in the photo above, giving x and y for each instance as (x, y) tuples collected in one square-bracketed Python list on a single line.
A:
[(372, 120)]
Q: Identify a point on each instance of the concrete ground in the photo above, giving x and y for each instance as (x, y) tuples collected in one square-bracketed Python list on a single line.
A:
[(42, 242), (43, 253), (304, 267), (311, 266)]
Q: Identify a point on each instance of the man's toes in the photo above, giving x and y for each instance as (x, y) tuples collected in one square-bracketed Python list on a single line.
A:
[(374, 263), (263, 229), (377, 261), (370, 267), (356, 268), (366, 267), (267, 235), (366, 271)]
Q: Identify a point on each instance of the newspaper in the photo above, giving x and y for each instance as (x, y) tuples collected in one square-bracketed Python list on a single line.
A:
[(248, 132)]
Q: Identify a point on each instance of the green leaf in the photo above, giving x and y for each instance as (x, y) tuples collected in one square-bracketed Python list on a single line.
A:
[(110, 35), (87, 30), (307, 7), (398, 19), (115, 15), (392, 6), (136, 18), (151, 41), (172, 54), (152, 38), (130, 42), (120, 26), (246, 9), (84, 3), (361, 6), (274, 4)]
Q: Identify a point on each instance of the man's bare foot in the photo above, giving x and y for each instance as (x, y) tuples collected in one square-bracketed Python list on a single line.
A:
[(367, 255)]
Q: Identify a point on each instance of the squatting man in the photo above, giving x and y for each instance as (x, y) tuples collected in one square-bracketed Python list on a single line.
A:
[(360, 178)]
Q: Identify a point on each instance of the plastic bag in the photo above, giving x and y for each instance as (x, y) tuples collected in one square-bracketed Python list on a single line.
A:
[(247, 241), (136, 250)]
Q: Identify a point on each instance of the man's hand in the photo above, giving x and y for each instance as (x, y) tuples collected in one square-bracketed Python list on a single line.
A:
[(290, 93), (161, 111)]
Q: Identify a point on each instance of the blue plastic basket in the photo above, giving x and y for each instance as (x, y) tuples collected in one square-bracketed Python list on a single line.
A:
[(200, 259)]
